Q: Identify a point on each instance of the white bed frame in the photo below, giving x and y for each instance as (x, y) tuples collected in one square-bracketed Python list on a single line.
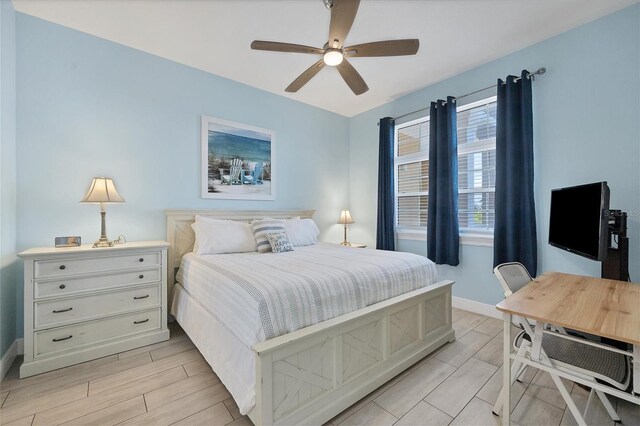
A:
[(312, 374)]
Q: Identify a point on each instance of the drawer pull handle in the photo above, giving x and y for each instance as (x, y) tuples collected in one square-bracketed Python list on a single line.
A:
[(62, 286), (141, 259), (141, 276), (140, 322), (62, 267), (140, 297), (64, 338), (62, 310)]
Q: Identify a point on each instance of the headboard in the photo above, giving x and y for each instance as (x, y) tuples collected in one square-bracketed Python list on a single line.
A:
[(181, 237)]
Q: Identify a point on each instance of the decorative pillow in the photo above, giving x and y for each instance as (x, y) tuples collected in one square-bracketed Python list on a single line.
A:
[(214, 236), (260, 230), (302, 232), (279, 242)]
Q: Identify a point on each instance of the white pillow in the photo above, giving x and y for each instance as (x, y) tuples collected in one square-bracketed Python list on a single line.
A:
[(214, 236), (302, 232)]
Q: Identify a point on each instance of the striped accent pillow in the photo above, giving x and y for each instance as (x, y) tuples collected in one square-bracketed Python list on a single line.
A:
[(263, 227)]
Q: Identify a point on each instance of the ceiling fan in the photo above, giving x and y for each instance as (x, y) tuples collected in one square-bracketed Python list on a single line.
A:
[(334, 53)]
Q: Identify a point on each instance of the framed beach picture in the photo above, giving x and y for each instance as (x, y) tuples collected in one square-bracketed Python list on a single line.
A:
[(237, 161)]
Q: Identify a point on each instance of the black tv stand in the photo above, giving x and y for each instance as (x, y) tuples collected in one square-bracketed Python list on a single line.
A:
[(616, 265)]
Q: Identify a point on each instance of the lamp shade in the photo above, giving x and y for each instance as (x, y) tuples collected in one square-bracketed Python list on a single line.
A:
[(102, 190), (345, 218)]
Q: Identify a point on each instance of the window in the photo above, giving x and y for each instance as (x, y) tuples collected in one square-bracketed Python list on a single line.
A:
[(476, 171), (412, 174)]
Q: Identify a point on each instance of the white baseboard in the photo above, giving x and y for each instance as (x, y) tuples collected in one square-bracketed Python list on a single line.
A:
[(10, 355), (476, 307)]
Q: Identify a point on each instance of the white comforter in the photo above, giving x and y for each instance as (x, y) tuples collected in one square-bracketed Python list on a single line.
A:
[(262, 296)]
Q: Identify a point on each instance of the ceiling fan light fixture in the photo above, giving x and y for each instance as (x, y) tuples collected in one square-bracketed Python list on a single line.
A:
[(333, 57), (335, 53)]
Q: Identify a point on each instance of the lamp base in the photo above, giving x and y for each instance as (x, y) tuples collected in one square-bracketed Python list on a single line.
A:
[(345, 243), (103, 243)]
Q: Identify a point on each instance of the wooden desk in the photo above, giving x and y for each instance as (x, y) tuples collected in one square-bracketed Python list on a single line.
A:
[(597, 306)]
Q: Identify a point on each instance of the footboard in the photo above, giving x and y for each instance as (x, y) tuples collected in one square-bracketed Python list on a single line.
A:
[(311, 375)]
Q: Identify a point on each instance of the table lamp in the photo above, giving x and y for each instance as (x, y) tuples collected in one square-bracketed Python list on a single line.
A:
[(102, 191), (345, 219)]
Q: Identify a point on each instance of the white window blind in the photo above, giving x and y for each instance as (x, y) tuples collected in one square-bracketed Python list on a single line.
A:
[(477, 166), (412, 174), (476, 170)]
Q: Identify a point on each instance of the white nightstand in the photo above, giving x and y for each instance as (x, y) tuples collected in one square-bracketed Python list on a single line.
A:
[(82, 303)]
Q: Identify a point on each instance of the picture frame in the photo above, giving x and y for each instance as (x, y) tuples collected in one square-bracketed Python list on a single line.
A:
[(237, 161)]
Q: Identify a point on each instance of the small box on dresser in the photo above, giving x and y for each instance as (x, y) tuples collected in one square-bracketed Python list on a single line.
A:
[(82, 303)]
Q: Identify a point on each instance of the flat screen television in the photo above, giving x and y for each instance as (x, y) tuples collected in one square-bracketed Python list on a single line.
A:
[(578, 222)]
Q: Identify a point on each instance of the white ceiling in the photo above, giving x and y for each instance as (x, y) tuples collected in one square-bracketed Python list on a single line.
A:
[(214, 36)]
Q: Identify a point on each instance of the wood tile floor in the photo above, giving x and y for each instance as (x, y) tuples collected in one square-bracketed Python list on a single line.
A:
[(170, 383)]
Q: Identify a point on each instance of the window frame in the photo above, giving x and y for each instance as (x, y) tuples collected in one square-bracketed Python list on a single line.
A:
[(468, 236)]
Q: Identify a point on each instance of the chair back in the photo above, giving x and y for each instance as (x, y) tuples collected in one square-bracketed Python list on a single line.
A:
[(235, 170), (512, 276), (257, 172)]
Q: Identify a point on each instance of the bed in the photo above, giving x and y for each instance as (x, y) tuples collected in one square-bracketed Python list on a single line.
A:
[(332, 342)]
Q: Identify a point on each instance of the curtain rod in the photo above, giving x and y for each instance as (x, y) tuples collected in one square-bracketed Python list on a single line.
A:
[(540, 71)]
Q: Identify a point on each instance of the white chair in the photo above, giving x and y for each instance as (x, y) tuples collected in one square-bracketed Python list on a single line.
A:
[(235, 170), (512, 276), (585, 359)]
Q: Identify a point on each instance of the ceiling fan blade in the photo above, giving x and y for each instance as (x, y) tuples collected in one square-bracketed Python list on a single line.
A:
[(275, 46), (305, 76), (343, 12), (352, 77), (384, 48)]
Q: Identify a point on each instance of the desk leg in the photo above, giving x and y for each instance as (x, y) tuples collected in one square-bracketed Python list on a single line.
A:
[(506, 371), (636, 369)]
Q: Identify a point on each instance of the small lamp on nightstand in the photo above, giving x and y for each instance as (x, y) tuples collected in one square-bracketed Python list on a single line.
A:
[(102, 191), (345, 219)]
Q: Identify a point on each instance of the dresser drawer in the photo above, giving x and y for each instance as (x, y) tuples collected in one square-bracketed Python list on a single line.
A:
[(63, 267), (56, 312), (75, 336), (70, 286)]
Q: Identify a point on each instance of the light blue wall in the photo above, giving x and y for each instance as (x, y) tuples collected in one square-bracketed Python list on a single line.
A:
[(90, 107), (587, 115), (8, 261)]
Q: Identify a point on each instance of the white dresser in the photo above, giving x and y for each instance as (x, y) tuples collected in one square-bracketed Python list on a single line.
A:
[(82, 303)]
